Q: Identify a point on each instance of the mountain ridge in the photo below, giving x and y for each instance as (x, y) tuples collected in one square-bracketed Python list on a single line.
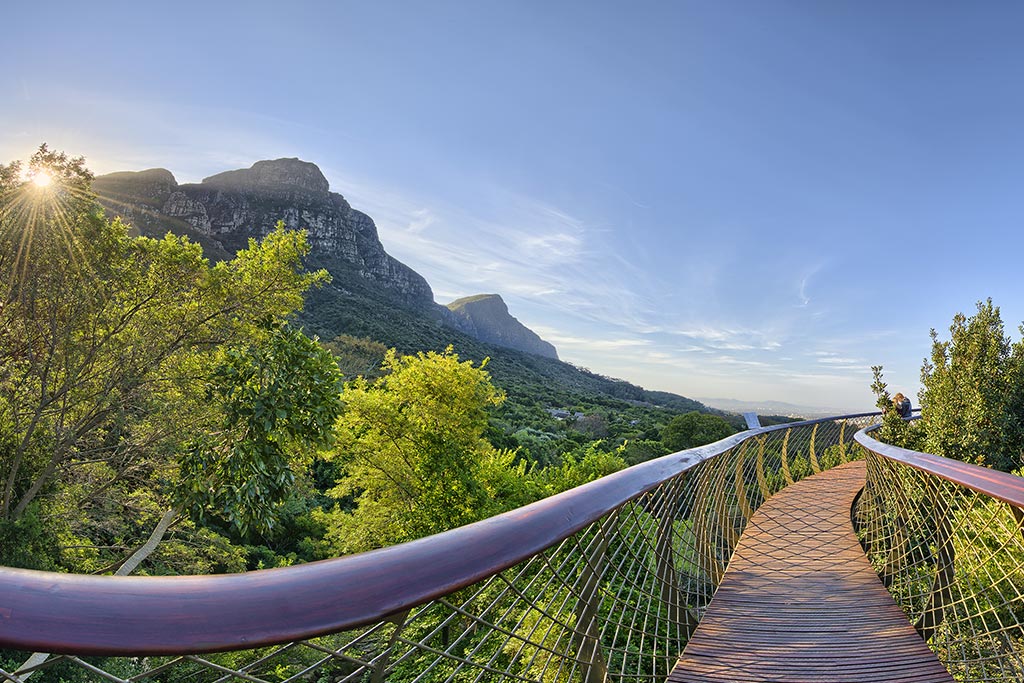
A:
[(486, 317), (229, 208), (226, 209), (372, 295)]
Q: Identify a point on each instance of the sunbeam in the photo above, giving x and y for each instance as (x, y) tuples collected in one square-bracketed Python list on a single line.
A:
[(39, 212)]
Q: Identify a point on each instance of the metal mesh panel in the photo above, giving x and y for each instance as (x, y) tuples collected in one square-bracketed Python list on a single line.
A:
[(954, 561), (615, 601)]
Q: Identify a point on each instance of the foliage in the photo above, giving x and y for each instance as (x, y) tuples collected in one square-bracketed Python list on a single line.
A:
[(594, 426), (971, 402), (357, 356), (105, 343), (510, 482), (694, 429), (413, 449), (278, 398), (582, 465), (27, 542), (636, 451), (894, 430)]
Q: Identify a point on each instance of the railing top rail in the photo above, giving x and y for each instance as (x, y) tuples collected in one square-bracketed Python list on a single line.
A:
[(114, 615), (1008, 488)]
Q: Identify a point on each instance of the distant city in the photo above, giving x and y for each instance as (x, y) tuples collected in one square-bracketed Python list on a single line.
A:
[(769, 407)]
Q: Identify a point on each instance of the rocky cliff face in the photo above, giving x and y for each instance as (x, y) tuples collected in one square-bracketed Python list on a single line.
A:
[(486, 317), (229, 208)]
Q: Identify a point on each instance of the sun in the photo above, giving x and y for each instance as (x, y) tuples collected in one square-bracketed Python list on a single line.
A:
[(42, 179)]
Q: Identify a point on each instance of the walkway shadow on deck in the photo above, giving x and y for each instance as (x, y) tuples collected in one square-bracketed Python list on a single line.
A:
[(800, 601)]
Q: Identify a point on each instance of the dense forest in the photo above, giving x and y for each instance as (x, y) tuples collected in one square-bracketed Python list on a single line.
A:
[(164, 413)]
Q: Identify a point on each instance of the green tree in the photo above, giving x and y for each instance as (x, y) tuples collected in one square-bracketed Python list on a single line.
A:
[(894, 430), (357, 356), (279, 398), (640, 450), (582, 465), (106, 343), (413, 451), (593, 425), (694, 429), (972, 389)]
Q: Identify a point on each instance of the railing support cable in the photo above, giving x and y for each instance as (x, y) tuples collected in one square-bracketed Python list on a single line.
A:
[(587, 633), (945, 559), (381, 662)]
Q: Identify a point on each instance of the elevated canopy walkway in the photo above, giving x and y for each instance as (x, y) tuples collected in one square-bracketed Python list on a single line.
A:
[(800, 601), (611, 581)]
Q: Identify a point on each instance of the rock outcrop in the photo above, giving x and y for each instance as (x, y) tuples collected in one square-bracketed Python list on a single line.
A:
[(227, 209), (486, 317), (230, 207), (292, 177)]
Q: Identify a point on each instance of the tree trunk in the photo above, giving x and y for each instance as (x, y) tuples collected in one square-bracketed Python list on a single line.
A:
[(126, 568)]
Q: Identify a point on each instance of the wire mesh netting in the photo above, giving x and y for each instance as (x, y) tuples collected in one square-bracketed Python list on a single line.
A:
[(953, 559), (615, 601)]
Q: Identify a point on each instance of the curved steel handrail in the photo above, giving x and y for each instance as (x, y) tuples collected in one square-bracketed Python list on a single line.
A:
[(947, 539), (1008, 488), (110, 615)]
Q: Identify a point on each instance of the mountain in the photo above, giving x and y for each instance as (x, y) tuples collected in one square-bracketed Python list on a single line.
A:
[(486, 317), (371, 295), (227, 209)]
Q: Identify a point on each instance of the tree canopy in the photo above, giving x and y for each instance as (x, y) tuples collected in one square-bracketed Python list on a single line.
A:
[(972, 396), (694, 429), (156, 406), (973, 383), (278, 399), (107, 343), (413, 451)]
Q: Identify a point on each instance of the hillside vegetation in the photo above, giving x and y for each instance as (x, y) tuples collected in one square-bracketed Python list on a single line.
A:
[(149, 392)]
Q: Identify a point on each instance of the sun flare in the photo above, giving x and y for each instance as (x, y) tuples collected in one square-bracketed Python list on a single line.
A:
[(42, 179)]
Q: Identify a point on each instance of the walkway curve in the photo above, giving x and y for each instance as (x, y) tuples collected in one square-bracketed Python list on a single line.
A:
[(801, 603)]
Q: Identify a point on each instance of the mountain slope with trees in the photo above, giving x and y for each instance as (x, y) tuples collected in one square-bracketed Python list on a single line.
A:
[(371, 296), (162, 412), (486, 317)]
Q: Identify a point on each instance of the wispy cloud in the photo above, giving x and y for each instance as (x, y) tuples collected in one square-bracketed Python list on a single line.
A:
[(730, 339), (600, 307), (561, 339), (804, 299), (521, 247), (730, 360), (421, 220), (839, 361), (804, 285)]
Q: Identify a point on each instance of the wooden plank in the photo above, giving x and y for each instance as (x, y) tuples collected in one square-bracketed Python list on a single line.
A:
[(800, 603)]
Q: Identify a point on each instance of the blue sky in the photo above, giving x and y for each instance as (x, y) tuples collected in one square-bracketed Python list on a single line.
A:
[(755, 200)]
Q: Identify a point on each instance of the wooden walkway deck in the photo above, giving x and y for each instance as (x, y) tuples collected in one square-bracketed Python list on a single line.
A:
[(801, 603)]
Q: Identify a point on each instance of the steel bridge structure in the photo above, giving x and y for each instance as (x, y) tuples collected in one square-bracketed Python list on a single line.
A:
[(724, 562)]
